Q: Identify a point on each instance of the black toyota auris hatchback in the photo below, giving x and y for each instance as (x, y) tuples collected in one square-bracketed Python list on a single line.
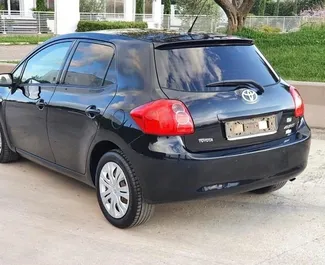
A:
[(149, 117)]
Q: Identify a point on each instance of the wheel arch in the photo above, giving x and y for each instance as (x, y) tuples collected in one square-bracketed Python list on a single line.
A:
[(98, 150)]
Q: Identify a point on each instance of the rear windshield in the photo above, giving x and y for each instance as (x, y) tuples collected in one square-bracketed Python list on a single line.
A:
[(191, 69)]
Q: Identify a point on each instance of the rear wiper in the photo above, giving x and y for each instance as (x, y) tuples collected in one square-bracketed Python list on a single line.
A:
[(237, 83)]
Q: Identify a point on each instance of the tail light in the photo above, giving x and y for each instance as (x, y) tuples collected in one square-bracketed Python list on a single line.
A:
[(299, 104), (164, 117)]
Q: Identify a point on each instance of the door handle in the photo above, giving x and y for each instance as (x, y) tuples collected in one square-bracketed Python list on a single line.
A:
[(40, 104), (92, 112)]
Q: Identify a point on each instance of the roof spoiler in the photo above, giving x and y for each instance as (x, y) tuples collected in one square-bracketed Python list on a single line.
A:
[(228, 41)]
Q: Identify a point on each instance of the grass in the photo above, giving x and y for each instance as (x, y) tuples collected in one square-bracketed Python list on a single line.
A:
[(295, 56), (30, 39), (10, 62)]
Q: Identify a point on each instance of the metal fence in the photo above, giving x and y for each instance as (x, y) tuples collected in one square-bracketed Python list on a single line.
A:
[(101, 16), (217, 24), (203, 23), (17, 22), (32, 22), (284, 24)]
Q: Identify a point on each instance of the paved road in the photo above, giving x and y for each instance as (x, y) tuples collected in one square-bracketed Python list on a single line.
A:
[(47, 218), (15, 52)]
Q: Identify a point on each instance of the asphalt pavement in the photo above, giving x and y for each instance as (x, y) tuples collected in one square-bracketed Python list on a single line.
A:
[(14, 52), (47, 218)]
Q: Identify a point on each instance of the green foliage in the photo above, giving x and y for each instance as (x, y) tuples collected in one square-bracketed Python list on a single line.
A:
[(192, 7), (284, 8), (277, 8), (139, 6), (167, 7), (295, 56), (95, 6), (102, 25), (295, 7), (40, 6), (269, 29), (2, 7), (262, 7)]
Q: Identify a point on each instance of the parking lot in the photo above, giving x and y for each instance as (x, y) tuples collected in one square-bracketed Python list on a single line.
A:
[(47, 218)]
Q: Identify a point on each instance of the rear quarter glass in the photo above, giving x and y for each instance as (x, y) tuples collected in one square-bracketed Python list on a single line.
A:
[(191, 69)]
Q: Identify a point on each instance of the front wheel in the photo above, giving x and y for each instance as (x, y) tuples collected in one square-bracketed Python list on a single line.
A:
[(270, 189), (119, 192)]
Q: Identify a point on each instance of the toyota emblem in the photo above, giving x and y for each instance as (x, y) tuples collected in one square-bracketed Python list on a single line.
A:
[(250, 96)]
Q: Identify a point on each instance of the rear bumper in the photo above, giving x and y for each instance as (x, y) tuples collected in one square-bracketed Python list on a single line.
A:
[(173, 174)]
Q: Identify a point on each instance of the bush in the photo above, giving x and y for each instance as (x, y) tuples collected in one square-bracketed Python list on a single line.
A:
[(102, 25), (269, 29), (40, 5)]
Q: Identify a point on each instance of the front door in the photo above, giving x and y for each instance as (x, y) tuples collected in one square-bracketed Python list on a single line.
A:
[(86, 89), (26, 106)]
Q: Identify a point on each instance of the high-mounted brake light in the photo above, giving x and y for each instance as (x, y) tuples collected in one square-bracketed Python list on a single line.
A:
[(164, 117), (299, 104)]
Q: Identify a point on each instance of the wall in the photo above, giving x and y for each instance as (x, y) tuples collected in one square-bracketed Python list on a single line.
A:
[(314, 97), (67, 16)]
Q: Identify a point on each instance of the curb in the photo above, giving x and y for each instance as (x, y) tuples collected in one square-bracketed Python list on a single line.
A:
[(8, 64)]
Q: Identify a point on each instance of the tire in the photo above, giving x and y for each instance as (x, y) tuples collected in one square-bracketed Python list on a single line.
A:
[(6, 154), (125, 213), (270, 189)]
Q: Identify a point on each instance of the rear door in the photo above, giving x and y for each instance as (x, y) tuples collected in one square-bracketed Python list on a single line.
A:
[(88, 85), (226, 116)]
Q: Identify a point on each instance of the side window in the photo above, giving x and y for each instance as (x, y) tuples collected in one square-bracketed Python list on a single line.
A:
[(111, 73), (45, 65), (17, 73), (89, 64)]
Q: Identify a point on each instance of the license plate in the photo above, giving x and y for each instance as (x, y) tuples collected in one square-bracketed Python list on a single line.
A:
[(249, 128)]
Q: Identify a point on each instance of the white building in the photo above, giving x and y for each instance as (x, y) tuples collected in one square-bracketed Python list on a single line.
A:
[(108, 6), (68, 11)]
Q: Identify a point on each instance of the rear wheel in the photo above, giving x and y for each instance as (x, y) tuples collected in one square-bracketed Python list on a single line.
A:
[(119, 193), (271, 188), (6, 154)]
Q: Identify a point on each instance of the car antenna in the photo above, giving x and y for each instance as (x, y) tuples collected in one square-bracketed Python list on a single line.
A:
[(197, 16)]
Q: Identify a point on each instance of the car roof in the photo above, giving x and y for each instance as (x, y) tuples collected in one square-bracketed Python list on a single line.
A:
[(158, 37)]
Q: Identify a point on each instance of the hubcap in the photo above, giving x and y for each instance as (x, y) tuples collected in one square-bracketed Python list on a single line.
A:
[(114, 190)]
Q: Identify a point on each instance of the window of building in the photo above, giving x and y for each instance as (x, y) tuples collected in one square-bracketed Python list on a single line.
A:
[(89, 65), (148, 6), (114, 6), (14, 5)]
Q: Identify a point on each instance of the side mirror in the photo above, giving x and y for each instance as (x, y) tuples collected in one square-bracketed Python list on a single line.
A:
[(6, 80)]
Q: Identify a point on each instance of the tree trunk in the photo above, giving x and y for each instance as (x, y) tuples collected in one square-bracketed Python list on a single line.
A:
[(236, 21), (277, 8)]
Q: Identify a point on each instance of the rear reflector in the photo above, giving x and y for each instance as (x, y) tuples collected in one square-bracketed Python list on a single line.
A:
[(164, 117), (299, 104)]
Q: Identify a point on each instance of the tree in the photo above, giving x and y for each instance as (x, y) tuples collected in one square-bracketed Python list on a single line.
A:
[(192, 7), (262, 7), (167, 6), (40, 5), (139, 6), (236, 11), (277, 8)]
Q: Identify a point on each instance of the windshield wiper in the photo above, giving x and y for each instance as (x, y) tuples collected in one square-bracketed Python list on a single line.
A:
[(237, 83)]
